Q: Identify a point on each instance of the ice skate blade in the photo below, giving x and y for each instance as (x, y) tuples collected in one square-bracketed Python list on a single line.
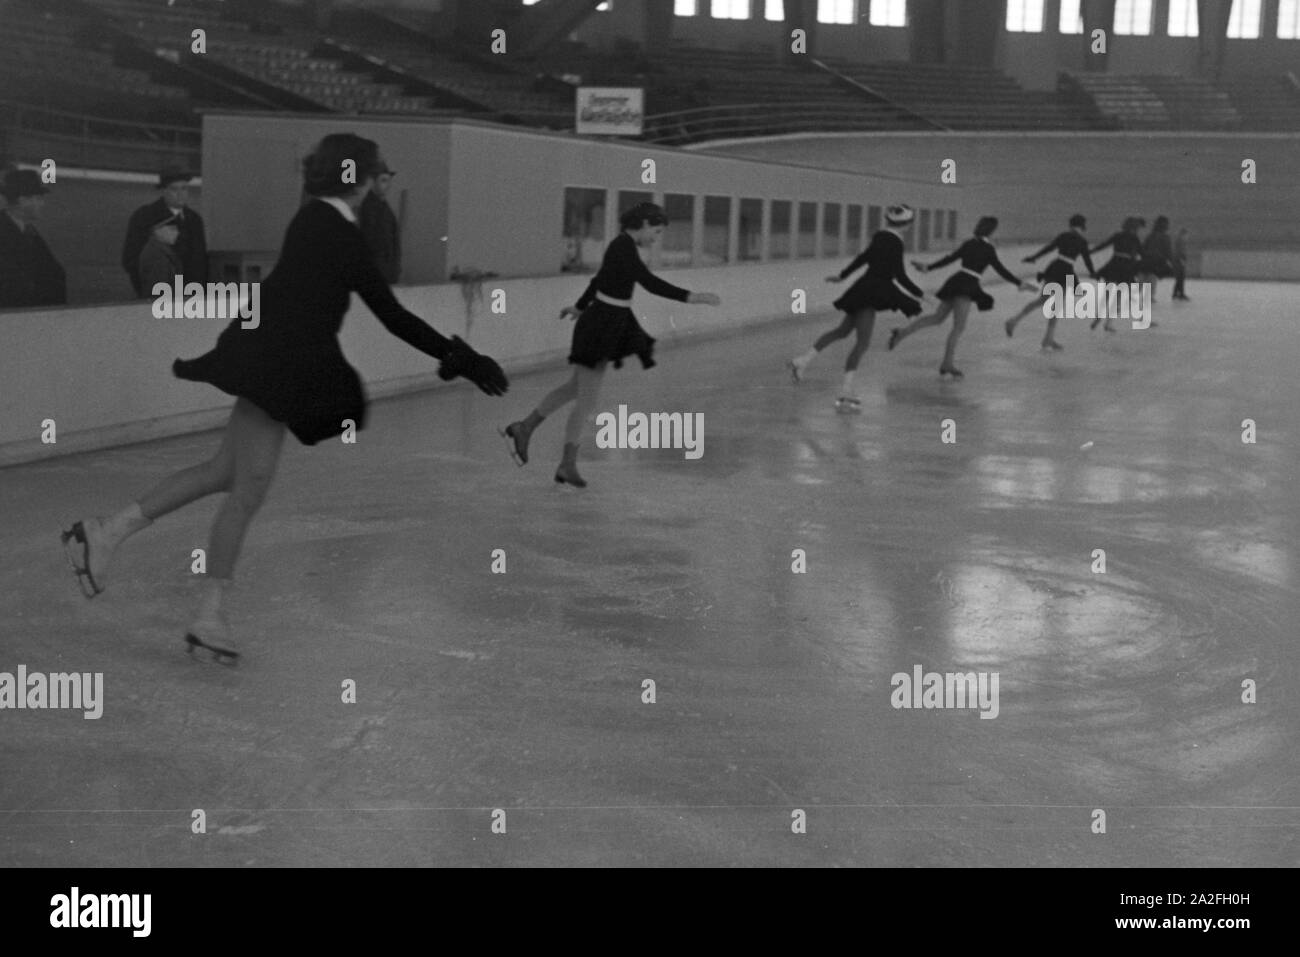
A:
[(510, 446), (76, 547), (221, 656)]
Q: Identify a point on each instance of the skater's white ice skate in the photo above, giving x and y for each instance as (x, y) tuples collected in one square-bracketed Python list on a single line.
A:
[(89, 548)]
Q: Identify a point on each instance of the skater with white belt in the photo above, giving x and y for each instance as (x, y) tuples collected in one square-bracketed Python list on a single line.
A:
[(874, 292), (960, 290), (606, 331), (1069, 246)]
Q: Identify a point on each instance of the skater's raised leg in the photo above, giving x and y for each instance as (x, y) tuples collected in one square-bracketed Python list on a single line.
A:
[(920, 322), (1014, 321), (800, 363), (521, 431)]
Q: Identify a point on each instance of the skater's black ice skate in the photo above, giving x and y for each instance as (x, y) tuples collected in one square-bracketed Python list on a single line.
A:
[(88, 551), (212, 638), (951, 371), (895, 336)]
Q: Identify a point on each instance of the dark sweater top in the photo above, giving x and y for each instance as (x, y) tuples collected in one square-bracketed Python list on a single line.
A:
[(620, 272), (324, 260), (1158, 246), (884, 261), (29, 273), (1069, 244), (1125, 243), (977, 254)]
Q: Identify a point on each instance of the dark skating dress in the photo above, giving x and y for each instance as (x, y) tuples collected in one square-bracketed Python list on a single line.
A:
[(876, 290), (606, 332), (976, 255), (1068, 246), (1157, 255), (290, 366), (1124, 258)]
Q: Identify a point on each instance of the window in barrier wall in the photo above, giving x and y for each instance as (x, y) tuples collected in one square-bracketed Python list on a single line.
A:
[(584, 228), (780, 235), (807, 243), (750, 246), (873, 222), (853, 232), (677, 246), (830, 229), (923, 234), (717, 231), (952, 224)]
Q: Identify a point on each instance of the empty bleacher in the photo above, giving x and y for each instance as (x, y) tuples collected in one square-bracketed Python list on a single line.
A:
[(1266, 102)]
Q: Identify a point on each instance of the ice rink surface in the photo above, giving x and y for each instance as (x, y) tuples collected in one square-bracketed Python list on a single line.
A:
[(523, 691)]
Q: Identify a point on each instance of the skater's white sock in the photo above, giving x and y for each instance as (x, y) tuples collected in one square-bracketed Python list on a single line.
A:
[(847, 391), (210, 603), (126, 522)]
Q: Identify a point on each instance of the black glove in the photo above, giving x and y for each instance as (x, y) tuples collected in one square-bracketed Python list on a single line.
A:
[(461, 360)]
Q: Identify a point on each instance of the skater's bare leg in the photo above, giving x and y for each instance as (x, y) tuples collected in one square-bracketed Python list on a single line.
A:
[(588, 382), (864, 322), (846, 326), (1049, 337), (1015, 320), (922, 322), (256, 440), (961, 309), (197, 481), (557, 397)]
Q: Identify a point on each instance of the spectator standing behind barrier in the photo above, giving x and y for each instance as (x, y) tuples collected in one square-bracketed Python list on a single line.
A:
[(159, 261), (1180, 264), (191, 241), (29, 273), (379, 228)]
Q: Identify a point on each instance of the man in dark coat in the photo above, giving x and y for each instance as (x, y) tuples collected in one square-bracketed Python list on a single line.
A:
[(29, 273), (191, 243), (379, 228)]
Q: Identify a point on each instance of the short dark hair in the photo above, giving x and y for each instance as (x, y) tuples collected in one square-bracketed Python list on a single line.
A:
[(1078, 219), (986, 225), (322, 171), (1161, 224), (643, 214)]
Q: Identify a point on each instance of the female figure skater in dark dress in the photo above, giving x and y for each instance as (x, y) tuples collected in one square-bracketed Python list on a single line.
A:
[(874, 292), (961, 289), (606, 331), (287, 373), (1157, 260), (1125, 258), (1068, 246)]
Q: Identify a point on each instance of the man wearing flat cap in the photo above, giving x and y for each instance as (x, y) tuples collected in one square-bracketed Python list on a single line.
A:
[(379, 227), (29, 273), (191, 246)]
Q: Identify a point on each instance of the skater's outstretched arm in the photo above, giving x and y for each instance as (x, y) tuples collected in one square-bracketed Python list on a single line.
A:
[(1042, 252), (862, 259), (952, 257), (1004, 272), (652, 283), (1087, 261), (1109, 242)]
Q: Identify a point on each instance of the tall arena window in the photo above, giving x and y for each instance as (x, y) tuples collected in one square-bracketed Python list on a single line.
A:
[(830, 229), (873, 221), (888, 13), (806, 247), (779, 238), (1243, 22), (685, 8), (729, 9), (938, 224), (853, 231), (1182, 19), (923, 234), (584, 228), (1288, 20), (1025, 16), (1133, 18), (750, 247), (952, 224), (717, 231), (774, 10), (836, 11), (678, 244), (1071, 19)]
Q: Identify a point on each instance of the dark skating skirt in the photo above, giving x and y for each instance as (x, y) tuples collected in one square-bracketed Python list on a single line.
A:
[(1154, 266), (605, 333), (880, 295), (1057, 271), (310, 390), (964, 284), (1118, 270)]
